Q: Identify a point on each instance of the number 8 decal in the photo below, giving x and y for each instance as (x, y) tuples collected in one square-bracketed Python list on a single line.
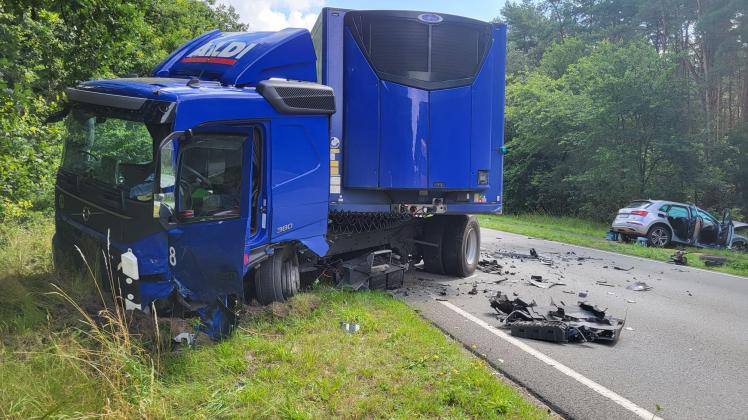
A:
[(172, 256)]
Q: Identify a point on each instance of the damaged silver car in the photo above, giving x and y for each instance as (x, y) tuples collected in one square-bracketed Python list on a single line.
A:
[(665, 223)]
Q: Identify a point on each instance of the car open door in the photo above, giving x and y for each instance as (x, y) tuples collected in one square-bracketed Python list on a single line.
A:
[(727, 229)]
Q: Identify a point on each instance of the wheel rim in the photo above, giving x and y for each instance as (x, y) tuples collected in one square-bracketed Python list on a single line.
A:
[(659, 237), (471, 247)]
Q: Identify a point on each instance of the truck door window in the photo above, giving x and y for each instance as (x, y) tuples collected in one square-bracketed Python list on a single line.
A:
[(210, 177)]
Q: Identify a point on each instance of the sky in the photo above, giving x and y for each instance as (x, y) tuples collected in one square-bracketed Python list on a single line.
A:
[(273, 15)]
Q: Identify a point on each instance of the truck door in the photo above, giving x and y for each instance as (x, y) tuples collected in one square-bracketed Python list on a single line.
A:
[(212, 174)]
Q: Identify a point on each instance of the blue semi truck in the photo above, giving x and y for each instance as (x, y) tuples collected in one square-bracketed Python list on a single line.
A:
[(248, 159)]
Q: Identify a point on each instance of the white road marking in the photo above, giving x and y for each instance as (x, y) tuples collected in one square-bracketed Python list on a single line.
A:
[(605, 392)]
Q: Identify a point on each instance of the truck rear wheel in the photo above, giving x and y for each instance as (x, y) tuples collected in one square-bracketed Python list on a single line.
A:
[(278, 277), (461, 245)]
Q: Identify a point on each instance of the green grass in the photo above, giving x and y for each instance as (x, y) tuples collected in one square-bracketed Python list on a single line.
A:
[(592, 234), (284, 361)]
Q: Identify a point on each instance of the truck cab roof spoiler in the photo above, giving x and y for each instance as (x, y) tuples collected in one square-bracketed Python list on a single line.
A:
[(243, 58)]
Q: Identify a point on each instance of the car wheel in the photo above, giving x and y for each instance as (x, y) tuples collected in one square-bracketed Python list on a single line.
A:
[(625, 238), (740, 246), (659, 236)]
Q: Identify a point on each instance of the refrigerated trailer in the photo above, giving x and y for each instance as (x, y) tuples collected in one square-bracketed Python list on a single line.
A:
[(247, 159)]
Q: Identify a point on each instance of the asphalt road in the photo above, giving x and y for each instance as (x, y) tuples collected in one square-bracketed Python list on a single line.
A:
[(684, 346)]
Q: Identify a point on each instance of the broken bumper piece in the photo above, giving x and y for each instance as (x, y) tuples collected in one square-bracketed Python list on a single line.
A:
[(558, 323)]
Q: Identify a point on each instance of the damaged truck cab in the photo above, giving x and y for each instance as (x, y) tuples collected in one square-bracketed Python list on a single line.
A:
[(246, 159)]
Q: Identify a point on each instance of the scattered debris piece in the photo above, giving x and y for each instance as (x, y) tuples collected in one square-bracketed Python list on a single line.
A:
[(536, 277), (533, 253), (501, 303), (185, 338), (474, 290), (639, 286), (569, 292), (629, 329), (604, 283), (489, 265), (630, 301), (679, 258), (689, 293), (546, 284), (622, 269), (557, 323), (612, 293), (583, 294), (713, 260), (349, 327)]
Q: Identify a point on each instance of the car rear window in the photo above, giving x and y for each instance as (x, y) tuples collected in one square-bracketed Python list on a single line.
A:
[(638, 204)]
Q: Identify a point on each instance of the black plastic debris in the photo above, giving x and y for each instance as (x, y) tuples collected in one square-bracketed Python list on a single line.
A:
[(474, 290), (622, 269), (713, 260), (679, 258), (639, 286), (489, 265), (501, 303), (557, 322)]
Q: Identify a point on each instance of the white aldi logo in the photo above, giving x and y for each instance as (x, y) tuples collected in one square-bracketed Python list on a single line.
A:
[(221, 52)]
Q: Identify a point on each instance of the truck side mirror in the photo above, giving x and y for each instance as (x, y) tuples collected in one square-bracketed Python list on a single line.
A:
[(164, 197)]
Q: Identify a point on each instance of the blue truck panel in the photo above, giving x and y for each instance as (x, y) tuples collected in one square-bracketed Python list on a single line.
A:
[(451, 139), (361, 93), (299, 181), (404, 146), (456, 138)]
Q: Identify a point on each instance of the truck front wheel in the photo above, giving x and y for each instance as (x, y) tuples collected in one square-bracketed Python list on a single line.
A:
[(278, 277), (461, 245)]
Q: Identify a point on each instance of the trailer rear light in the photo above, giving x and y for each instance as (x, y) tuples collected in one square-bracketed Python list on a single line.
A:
[(641, 213)]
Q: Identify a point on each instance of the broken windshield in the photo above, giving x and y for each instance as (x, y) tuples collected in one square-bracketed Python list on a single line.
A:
[(116, 152)]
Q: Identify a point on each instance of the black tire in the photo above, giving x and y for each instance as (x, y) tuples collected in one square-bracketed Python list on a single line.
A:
[(278, 278), (433, 232), (659, 236), (626, 239), (461, 246)]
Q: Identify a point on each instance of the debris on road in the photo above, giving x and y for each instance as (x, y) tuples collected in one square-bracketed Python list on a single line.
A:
[(583, 294), (679, 258), (713, 260), (639, 286), (557, 323), (544, 284), (604, 283), (622, 269), (349, 327), (489, 265), (474, 290)]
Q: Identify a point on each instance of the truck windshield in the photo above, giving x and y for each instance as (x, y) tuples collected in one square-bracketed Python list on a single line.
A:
[(112, 151)]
